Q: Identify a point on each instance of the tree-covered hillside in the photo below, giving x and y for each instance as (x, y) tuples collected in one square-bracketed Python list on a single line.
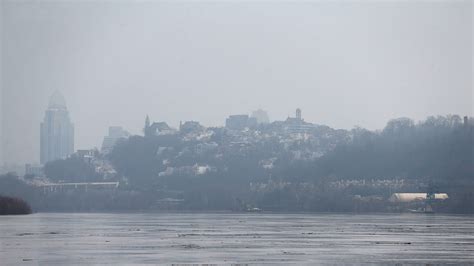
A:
[(439, 149)]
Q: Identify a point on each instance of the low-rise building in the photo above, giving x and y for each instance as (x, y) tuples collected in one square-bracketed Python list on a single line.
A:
[(410, 197), (190, 126), (158, 129), (33, 170), (240, 122)]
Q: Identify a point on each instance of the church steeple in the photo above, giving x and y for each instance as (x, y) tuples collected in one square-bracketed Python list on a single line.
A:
[(147, 121), (147, 125)]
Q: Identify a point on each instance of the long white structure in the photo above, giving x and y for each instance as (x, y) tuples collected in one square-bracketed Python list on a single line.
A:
[(409, 197), (51, 187)]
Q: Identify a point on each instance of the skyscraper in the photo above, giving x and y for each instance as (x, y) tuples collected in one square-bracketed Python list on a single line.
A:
[(57, 131), (1, 123)]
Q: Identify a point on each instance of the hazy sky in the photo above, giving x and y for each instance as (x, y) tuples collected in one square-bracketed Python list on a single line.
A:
[(343, 63)]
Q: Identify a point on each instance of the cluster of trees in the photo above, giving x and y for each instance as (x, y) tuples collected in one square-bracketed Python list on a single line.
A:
[(10, 205), (439, 148), (72, 169), (438, 151), (12, 188)]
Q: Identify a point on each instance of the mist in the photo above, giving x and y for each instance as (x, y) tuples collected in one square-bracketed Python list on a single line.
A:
[(343, 63), (236, 132)]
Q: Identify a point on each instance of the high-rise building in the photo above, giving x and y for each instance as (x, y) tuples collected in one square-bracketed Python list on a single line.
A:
[(1, 96), (57, 131), (261, 116), (1, 127), (115, 134)]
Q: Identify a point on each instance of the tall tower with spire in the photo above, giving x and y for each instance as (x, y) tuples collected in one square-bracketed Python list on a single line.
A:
[(57, 131)]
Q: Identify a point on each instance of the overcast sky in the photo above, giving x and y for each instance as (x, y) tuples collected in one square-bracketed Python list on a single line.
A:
[(343, 63)]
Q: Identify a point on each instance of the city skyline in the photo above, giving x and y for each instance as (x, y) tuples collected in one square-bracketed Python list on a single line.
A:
[(358, 64), (58, 97), (236, 132)]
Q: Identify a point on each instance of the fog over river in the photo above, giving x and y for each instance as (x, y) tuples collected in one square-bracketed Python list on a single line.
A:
[(254, 238)]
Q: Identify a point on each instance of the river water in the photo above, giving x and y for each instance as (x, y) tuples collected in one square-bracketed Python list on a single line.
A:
[(257, 238)]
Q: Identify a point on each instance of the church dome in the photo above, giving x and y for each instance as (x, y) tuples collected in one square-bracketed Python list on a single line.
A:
[(57, 100)]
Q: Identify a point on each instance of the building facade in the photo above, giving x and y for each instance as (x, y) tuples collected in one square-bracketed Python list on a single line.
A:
[(157, 128), (57, 131), (240, 122), (115, 134), (261, 116)]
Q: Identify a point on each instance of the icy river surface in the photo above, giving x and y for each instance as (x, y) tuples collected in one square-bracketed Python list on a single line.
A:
[(254, 238)]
